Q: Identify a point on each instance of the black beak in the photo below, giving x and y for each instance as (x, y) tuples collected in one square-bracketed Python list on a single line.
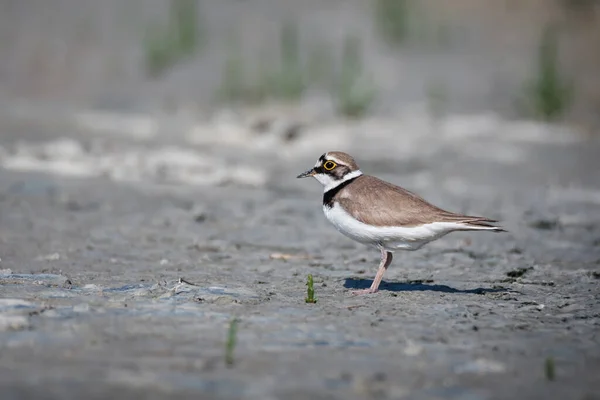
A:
[(306, 174)]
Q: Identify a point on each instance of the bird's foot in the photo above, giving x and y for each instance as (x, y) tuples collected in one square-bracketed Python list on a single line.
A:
[(364, 291)]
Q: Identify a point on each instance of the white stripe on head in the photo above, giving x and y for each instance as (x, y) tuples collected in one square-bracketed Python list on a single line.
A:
[(329, 182), (332, 158), (327, 157)]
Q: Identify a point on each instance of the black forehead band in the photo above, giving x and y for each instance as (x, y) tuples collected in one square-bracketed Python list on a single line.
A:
[(321, 170)]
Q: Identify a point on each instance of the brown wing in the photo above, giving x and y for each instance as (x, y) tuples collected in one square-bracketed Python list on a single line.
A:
[(385, 204)]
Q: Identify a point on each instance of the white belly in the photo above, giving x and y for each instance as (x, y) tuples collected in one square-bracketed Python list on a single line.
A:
[(389, 237)]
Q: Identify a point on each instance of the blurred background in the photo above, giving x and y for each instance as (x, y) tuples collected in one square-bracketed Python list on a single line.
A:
[(532, 59)]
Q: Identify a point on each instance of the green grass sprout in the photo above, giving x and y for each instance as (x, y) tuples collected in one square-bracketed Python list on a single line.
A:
[(310, 292), (549, 369), (231, 341)]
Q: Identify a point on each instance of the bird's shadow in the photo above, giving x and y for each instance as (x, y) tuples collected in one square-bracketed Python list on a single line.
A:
[(416, 286)]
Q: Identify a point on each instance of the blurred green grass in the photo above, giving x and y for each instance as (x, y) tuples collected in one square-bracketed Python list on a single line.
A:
[(392, 20), (288, 76), (289, 70), (548, 94), (167, 44), (355, 91)]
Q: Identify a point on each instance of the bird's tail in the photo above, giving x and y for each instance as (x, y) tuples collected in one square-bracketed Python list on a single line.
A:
[(471, 223), (481, 224)]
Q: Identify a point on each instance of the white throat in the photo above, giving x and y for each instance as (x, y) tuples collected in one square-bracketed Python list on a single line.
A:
[(329, 183)]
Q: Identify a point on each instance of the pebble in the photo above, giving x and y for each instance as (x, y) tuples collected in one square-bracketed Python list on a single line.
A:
[(81, 308), (480, 366), (13, 322), (49, 257), (413, 349)]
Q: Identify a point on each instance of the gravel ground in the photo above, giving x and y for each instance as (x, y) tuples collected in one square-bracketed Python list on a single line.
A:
[(124, 258)]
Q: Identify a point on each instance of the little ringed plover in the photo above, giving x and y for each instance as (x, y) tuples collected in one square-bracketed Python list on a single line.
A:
[(375, 212)]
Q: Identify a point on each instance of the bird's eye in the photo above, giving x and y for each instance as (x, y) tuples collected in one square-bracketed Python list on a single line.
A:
[(329, 165)]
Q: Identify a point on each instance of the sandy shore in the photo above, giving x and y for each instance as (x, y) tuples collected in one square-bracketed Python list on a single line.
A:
[(101, 229)]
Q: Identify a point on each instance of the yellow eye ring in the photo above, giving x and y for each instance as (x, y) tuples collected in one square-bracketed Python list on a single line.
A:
[(329, 165)]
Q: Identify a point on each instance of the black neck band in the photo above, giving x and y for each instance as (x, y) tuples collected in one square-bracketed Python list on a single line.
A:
[(328, 195)]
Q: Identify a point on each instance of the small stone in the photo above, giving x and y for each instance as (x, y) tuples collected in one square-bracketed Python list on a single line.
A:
[(481, 366), (50, 313), (13, 322), (49, 257), (91, 286), (286, 257), (412, 349), (82, 308)]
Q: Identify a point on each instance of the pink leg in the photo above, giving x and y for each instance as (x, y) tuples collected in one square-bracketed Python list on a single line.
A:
[(386, 260)]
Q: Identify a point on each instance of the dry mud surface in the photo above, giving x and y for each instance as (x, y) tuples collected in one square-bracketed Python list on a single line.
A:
[(123, 260)]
